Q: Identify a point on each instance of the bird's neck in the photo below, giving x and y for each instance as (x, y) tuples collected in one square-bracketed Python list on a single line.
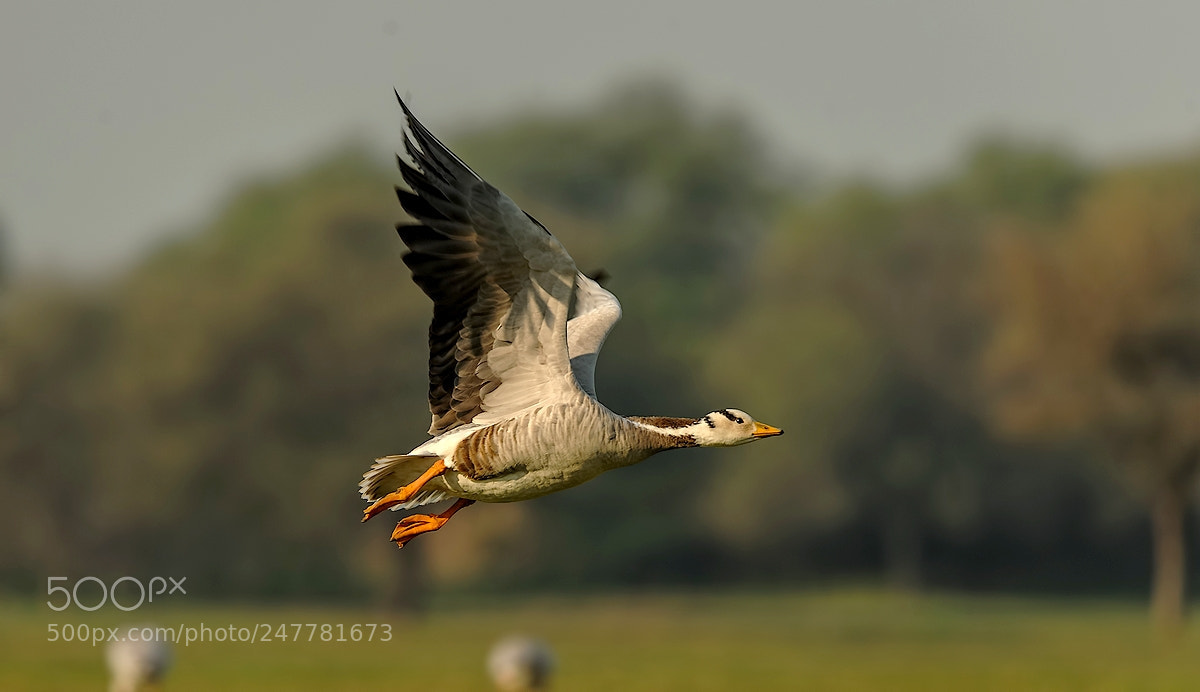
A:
[(669, 433)]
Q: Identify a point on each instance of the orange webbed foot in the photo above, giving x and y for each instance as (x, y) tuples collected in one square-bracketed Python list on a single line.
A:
[(412, 526)]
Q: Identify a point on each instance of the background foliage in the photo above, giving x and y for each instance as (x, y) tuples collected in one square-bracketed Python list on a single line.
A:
[(941, 357)]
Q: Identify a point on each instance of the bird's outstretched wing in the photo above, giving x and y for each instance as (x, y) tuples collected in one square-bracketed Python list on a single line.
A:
[(501, 285)]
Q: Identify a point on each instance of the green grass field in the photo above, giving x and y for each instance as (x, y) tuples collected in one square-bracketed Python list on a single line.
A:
[(790, 641)]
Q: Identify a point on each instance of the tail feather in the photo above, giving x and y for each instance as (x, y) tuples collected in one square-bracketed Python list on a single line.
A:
[(390, 473)]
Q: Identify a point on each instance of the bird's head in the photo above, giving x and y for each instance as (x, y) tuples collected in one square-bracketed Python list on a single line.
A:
[(730, 427)]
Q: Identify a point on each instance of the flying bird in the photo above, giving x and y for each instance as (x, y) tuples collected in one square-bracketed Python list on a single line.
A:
[(513, 345)]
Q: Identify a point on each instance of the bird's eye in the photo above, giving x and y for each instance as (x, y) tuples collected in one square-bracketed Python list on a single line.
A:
[(739, 421)]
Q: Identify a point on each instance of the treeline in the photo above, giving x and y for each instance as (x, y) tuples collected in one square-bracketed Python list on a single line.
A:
[(986, 380)]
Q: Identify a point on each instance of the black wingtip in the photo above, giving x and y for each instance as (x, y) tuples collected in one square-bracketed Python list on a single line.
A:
[(403, 105), (408, 115), (413, 124)]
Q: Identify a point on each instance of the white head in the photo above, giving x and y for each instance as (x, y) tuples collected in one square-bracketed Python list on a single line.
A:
[(730, 427)]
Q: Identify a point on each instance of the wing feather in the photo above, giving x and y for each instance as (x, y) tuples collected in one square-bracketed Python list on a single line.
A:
[(501, 286)]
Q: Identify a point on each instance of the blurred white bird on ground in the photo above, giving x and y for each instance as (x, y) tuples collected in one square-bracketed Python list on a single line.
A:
[(520, 664), (137, 664)]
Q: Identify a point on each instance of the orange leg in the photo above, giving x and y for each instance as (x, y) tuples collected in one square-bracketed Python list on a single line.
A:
[(406, 493), (417, 524)]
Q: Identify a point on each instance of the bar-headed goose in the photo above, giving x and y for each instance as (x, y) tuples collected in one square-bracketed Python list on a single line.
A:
[(512, 352)]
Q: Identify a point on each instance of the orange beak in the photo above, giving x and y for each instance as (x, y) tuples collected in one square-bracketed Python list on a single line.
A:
[(764, 430)]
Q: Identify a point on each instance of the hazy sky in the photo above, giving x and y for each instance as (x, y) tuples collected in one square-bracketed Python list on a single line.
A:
[(121, 121)]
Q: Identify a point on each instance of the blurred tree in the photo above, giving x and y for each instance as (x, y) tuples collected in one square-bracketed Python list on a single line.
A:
[(905, 265), (1039, 182), (891, 414), (914, 468), (1098, 332), (899, 265), (53, 342)]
